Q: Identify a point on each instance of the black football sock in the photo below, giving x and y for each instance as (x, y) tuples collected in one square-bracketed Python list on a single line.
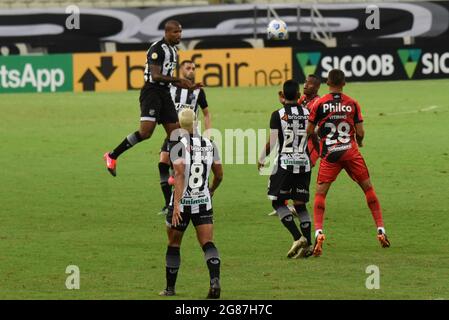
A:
[(164, 173), (291, 226), (213, 261), (131, 140), (286, 218), (305, 223), (173, 261)]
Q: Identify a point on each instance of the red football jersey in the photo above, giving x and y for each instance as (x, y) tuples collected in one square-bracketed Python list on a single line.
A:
[(307, 103), (304, 102), (336, 115)]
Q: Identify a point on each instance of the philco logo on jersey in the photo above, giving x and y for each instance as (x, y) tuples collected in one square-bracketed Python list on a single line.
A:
[(287, 117), (330, 107)]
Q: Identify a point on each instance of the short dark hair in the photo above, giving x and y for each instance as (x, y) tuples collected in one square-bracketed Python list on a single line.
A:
[(170, 24), (185, 62), (317, 79), (336, 77), (291, 89)]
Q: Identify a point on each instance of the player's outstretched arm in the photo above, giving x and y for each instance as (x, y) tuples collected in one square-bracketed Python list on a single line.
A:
[(178, 166), (359, 133), (217, 169), (207, 119), (157, 75)]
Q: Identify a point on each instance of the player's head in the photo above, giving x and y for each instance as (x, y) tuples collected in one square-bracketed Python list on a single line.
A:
[(187, 119), (312, 85), (291, 90), (173, 32), (336, 78), (187, 70)]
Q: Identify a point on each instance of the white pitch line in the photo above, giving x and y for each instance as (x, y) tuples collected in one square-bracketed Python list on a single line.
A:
[(427, 109)]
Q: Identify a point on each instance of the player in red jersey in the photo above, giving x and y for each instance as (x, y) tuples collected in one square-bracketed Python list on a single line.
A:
[(307, 100), (340, 123)]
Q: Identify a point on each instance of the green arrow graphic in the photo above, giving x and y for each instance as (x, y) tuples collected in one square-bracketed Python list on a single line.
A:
[(308, 61), (409, 59)]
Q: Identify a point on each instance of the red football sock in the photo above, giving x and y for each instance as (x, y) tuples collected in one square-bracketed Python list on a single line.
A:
[(318, 210), (374, 205)]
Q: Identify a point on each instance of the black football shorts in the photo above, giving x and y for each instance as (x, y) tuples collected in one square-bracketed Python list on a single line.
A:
[(156, 104), (286, 185), (200, 218)]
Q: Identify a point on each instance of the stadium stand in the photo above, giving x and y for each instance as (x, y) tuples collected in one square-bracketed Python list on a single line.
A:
[(13, 4)]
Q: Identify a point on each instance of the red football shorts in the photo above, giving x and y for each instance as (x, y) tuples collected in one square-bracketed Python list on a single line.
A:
[(355, 166)]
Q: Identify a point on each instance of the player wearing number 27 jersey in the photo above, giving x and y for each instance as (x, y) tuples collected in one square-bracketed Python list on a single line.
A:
[(290, 178), (341, 132)]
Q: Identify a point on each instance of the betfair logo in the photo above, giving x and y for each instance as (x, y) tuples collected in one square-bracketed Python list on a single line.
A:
[(308, 62), (409, 59)]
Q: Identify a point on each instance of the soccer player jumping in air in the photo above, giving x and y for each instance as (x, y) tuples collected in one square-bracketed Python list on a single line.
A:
[(156, 105), (341, 132)]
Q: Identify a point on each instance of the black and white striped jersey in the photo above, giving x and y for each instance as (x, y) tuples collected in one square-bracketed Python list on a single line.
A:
[(164, 55), (186, 98), (291, 122), (198, 154)]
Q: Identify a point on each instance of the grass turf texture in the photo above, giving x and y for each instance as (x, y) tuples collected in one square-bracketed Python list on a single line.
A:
[(59, 206)]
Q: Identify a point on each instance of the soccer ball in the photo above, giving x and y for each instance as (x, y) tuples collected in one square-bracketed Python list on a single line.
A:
[(277, 30)]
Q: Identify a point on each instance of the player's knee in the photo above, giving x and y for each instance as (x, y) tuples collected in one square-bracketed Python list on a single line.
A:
[(146, 130), (281, 209), (277, 204), (366, 185), (164, 157), (302, 212), (145, 134), (174, 242)]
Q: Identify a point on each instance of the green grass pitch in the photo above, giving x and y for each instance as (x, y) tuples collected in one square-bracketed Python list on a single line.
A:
[(59, 206)]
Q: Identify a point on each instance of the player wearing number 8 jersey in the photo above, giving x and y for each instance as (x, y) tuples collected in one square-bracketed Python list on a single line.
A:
[(193, 158), (341, 132)]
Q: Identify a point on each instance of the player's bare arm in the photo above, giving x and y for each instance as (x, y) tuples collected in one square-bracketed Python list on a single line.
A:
[(217, 169), (207, 118), (311, 129), (312, 133), (158, 76), (268, 148), (178, 166), (359, 133)]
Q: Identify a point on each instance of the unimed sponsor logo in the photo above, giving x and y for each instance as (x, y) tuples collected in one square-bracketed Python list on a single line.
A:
[(36, 73)]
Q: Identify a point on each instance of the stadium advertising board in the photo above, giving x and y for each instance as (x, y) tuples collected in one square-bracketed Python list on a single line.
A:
[(374, 64), (108, 72), (241, 67), (123, 71), (36, 73)]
